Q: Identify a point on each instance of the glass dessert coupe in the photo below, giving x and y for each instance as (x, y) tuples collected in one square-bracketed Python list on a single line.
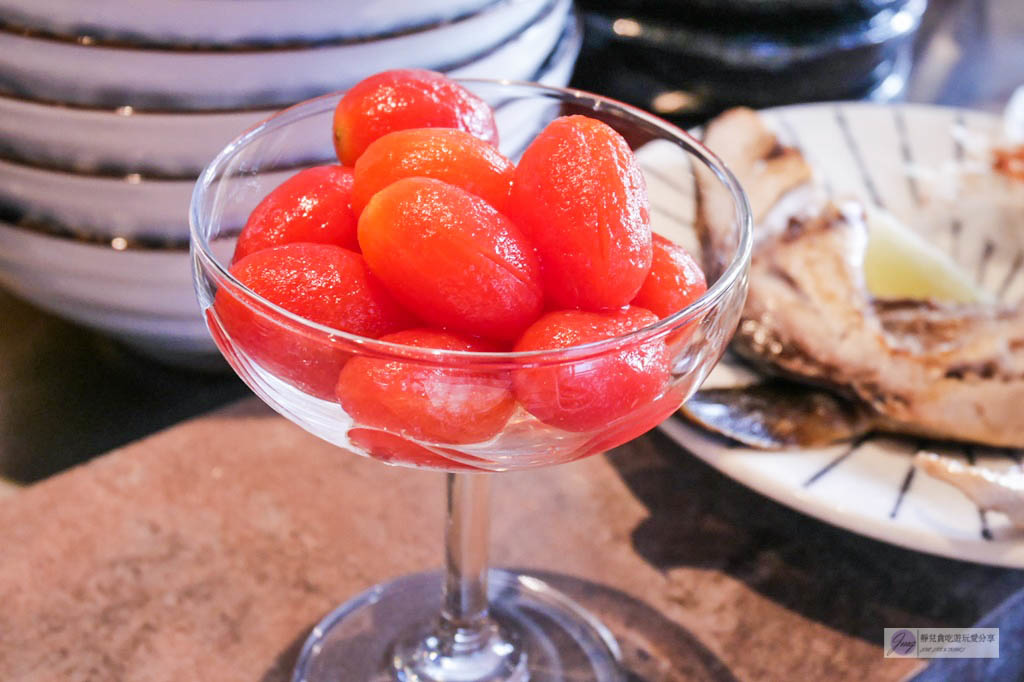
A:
[(465, 623)]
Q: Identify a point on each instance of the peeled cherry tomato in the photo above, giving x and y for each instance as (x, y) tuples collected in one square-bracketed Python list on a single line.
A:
[(446, 154), (638, 422), (579, 195), (325, 284), (406, 98), (423, 401), (674, 282), (592, 392), (452, 258), (387, 447), (314, 205)]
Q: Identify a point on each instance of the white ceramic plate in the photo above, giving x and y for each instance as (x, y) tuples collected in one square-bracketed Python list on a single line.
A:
[(230, 22), (928, 166), (96, 75), (122, 140), (181, 144), (558, 68), (140, 296), (130, 207)]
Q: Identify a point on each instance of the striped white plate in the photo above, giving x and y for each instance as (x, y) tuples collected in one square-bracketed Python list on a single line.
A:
[(928, 166)]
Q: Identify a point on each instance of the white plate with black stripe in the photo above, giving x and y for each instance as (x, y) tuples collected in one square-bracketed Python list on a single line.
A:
[(931, 168)]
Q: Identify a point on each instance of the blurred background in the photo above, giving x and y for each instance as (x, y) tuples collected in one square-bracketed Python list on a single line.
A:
[(688, 59), (110, 109)]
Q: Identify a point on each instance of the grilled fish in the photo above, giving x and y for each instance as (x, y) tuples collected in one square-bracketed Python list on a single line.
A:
[(948, 371), (776, 415), (990, 490)]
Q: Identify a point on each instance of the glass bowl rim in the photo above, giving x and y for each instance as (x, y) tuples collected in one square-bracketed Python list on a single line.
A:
[(731, 276)]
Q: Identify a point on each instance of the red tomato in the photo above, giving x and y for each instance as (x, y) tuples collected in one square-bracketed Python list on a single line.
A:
[(674, 282), (326, 284), (446, 154), (314, 205), (590, 393), (387, 447), (426, 402), (579, 195), (451, 257), (406, 98), (638, 422)]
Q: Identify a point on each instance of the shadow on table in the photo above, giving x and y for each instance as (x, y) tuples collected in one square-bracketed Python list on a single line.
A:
[(284, 662), (702, 519), (69, 393), (654, 649)]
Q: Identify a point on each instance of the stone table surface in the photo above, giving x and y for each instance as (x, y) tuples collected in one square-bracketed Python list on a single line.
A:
[(207, 552)]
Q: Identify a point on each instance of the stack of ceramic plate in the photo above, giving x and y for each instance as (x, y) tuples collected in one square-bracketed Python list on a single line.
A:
[(109, 111), (690, 59)]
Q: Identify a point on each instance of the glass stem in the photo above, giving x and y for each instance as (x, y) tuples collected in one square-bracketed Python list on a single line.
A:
[(467, 540), (463, 644)]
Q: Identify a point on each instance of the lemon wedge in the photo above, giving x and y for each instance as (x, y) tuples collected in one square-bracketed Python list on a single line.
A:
[(899, 263)]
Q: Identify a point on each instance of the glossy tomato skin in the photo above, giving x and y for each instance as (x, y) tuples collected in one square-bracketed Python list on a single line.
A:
[(322, 283), (637, 423), (314, 205), (454, 156), (452, 258), (579, 195), (392, 449), (590, 393), (427, 402), (674, 282), (406, 98)]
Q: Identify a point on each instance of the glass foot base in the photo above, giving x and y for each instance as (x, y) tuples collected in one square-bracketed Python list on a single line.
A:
[(557, 640), (433, 654)]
